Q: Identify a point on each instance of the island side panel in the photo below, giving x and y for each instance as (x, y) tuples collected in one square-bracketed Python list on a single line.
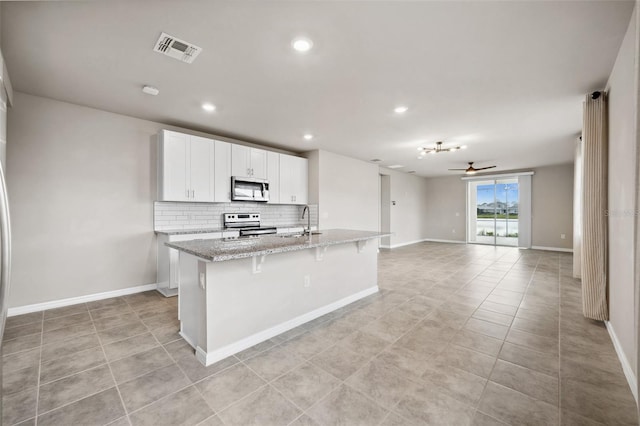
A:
[(191, 298), (244, 308)]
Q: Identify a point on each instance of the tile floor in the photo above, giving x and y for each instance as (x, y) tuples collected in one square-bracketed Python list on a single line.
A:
[(458, 335)]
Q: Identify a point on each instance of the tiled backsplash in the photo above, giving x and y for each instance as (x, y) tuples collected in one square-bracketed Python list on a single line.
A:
[(170, 216)]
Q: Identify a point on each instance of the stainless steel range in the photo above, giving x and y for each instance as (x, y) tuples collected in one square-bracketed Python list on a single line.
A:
[(247, 223)]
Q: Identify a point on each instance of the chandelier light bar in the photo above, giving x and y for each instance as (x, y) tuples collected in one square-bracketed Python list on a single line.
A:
[(438, 149)]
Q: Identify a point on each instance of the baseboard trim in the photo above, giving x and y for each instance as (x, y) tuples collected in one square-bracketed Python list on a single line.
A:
[(434, 240), (37, 307), (564, 250), (208, 358), (626, 367)]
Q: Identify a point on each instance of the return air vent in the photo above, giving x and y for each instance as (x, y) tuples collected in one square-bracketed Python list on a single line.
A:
[(176, 48)]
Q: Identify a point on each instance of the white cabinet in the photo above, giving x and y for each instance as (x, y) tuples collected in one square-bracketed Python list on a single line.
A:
[(273, 175), (168, 267), (293, 179), (184, 167), (222, 172), (248, 162)]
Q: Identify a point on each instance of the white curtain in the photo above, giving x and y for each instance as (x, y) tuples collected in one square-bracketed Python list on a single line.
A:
[(594, 205), (577, 210)]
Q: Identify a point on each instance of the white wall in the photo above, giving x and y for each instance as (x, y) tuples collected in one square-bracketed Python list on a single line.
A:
[(345, 189), (408, 217), (623, 97)]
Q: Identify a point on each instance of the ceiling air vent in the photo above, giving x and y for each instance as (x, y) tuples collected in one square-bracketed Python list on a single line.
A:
[(176, 48)]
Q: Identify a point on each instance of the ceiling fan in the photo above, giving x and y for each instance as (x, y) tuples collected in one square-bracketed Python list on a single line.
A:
[(472, 170)]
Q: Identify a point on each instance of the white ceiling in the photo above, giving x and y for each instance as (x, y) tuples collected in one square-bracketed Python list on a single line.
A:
[(507, 79)]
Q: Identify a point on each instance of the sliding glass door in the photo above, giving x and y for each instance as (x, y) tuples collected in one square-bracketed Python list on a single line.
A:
[(493, 212)]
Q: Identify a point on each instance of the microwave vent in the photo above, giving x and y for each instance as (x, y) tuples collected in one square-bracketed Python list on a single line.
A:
[(176, 48)]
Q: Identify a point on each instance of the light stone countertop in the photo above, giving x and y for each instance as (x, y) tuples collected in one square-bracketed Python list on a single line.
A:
[(210, 230), (221, 249)]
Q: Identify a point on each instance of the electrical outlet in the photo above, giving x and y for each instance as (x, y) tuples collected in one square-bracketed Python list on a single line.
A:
[(307, 281), (563, 236)]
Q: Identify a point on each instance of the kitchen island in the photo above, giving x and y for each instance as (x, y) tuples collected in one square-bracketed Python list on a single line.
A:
[(237, 292)]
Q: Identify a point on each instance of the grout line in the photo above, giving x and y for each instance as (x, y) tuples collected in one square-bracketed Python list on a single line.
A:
[(39, 371)]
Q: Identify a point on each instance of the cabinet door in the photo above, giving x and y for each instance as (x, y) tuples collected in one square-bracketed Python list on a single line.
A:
[(200, 178), (301, 178), (286, 182), (240, 160), (273, 175), (258, 164), (222, 172), (173, 171)]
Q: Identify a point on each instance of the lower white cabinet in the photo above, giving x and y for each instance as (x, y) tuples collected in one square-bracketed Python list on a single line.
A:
[(168, 268)]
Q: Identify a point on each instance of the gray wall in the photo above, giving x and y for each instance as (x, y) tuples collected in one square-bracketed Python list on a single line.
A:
[(345, 189), (446, 208), (623, 165), (552, 206), (408, 217), (81, 187)]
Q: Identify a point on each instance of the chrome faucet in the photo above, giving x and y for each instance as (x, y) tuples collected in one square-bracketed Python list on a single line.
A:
[(306, 210)]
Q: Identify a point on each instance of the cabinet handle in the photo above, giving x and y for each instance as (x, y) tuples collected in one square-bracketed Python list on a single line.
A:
[(187, 193), (193, 193)]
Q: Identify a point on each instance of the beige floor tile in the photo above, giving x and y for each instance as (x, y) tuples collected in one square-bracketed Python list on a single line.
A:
[(569, 418), (427, 404), (167, 334), (306, 385), (152, 386), (390, 326), (141, 363), (346, 406), (264, 407), (22, 343), (195, 371), (339, 361), (481, 419), (404, 361), (118, 320), (70, 346), (533, 341), (494, 317), (73, 331), (466, 359), (185, 407), (229, 386), (55, 394), (64, 311), (459, 384), (100, 408), (304, 420), (19, 320), (380, 383), (530, 382), (538, 361), (477, 342), (120, 333), (449, 318), (541, 327), (514, 407), (273, 363), (18, 361), (130, 346), (60, 367), (364, 344), (394, 419), (490, 329), (66, 321), (605, 403), (22, 330)]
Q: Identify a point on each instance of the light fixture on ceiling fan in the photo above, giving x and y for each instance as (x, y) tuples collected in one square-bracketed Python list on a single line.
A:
[(472, 170), (438, 148)]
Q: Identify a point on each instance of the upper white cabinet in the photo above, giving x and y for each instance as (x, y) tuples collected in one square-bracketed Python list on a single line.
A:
[(222, 172), (197, 169), (273, 176), (293, 179), (248, 162), (184, 169)]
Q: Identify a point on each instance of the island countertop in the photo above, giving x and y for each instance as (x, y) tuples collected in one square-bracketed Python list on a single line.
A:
[(221, 249)]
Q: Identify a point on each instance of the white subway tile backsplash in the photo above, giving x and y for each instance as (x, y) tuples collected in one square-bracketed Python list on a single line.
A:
[(173, 216)]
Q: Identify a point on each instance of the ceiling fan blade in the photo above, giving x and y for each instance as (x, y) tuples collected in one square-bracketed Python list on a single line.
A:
[(455, 170), (485, 168)]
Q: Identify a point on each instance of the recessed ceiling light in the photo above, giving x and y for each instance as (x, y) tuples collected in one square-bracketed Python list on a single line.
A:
[(308, 136), (302, 44), (150, 90), (396, 166), (463, 147), (208, 107), (400, 109)]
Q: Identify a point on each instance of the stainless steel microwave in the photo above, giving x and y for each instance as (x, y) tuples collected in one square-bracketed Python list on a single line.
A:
[(249, 189)]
